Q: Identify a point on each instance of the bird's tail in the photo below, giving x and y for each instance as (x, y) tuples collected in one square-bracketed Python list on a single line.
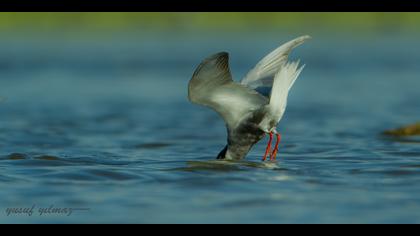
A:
[(283, 81)]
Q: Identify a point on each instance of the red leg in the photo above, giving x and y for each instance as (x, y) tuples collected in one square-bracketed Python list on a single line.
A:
[(267, 150), (276, 147)]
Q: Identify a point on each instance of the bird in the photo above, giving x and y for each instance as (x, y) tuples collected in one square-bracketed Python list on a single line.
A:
[(248, 112)]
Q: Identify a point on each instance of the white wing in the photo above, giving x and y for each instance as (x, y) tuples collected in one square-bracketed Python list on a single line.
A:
[(263, 73), (212, 85), (283, 82)]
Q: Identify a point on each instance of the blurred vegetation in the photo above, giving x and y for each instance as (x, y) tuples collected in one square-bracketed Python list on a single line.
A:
[(99, 22), (408, 130)]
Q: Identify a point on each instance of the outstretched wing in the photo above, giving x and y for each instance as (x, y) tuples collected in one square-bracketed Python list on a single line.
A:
[(212, 85), (283, 82), (262, 74)]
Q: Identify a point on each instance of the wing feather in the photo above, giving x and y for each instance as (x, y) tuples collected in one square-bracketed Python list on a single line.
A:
[(262, 74), (212, 85)]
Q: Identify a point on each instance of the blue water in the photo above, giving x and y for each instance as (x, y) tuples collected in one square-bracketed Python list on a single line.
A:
[(105, 124)]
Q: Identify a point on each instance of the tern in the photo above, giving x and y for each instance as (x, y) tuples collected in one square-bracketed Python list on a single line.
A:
[(249, 114)]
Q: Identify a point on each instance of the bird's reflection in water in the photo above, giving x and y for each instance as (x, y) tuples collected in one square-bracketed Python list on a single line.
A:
[(228, 165)]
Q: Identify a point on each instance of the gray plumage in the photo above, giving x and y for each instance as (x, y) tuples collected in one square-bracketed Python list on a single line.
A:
[(247, 113)]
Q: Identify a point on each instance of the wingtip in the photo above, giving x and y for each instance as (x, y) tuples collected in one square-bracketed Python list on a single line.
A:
[(303, 38), (288, 46), (220, 59), (217, 56)]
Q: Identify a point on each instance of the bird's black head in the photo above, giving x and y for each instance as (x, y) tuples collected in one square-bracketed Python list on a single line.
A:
[(222, 153)]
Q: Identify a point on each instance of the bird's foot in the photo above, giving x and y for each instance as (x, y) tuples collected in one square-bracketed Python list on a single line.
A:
[(268, 148), (276, 147)]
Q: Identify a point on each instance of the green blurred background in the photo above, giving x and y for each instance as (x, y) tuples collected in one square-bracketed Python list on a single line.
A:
[(88, 23)]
